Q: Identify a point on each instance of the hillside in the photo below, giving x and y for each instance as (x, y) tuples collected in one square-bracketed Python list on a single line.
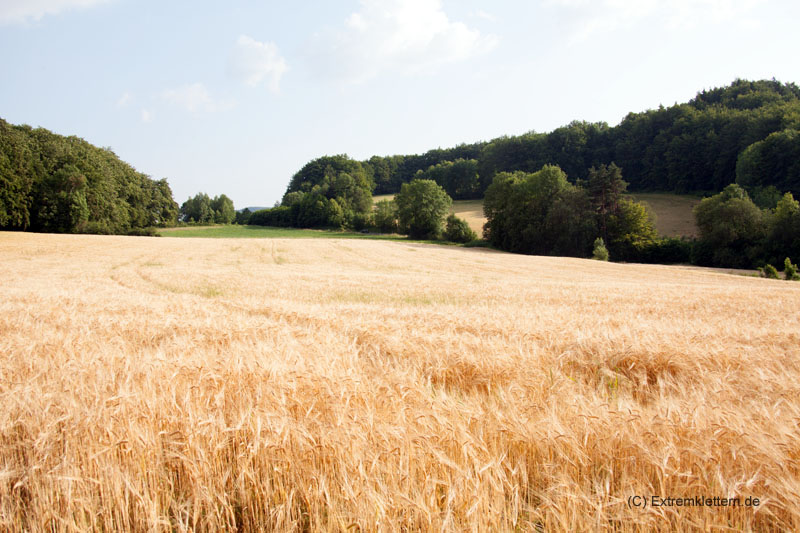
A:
[(747, 132), (327, 385), (58, 184)]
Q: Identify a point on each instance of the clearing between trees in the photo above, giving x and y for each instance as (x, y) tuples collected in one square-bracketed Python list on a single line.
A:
[(325, 385)]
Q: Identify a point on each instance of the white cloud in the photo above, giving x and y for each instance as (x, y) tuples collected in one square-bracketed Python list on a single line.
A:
[(146, 115), (405, 35), (606, 16), (124, 100), (252, 62), (194, 98), (21, 11), (481, 14)]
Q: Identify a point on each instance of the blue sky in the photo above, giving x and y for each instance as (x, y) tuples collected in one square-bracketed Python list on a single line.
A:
[(234, 97)]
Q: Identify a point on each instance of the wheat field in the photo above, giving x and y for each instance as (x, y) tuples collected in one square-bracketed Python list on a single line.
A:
[(328, 385)]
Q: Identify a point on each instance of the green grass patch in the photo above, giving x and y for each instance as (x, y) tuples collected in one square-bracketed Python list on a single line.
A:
[(265, 232)]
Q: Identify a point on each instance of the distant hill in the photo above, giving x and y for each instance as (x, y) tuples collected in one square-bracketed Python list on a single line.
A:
[(747, 132), (58, 184), (251, 209)]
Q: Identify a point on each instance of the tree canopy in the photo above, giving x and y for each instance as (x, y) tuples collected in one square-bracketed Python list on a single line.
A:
[(421, 208), (53, 183), (747, 131)]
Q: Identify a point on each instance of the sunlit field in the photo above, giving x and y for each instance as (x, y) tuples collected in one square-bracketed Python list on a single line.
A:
[(331, 385)]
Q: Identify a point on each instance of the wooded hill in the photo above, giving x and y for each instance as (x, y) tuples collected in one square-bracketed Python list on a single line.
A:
[(748, 133), (53, 183)]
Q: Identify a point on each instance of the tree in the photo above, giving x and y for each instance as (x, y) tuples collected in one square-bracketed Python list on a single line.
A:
[(731, 227), (421, 208), (62, 201), (243, 216), (772, 161), (539, 213), (334, 178), (224, 212), (197, 209), (457, 230), (385, 216), (599, 251), (630, 229), (49, 182), (458, 178), (606, 187), (784, 230)]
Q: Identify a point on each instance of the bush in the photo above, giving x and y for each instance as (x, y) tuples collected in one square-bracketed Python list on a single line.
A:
[(281, 216), (790, 270), (360, 221), (143, 232), (732, 229), (659, 251), (600, 251), (457, 230), (768, 271)]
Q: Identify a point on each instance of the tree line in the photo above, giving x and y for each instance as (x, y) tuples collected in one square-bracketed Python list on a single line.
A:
[(543, 213), (747, 133), (53, 183)]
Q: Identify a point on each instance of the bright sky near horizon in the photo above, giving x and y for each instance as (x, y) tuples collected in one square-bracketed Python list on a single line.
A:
[(235, 97)]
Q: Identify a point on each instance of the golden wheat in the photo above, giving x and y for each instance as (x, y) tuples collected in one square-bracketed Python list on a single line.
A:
[(326, 385)]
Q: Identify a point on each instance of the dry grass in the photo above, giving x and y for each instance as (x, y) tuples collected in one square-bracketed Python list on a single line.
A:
[(674, 213), (177, 385)]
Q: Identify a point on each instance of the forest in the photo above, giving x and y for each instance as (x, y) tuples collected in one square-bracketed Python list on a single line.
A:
[(57, 184), (746, 133)]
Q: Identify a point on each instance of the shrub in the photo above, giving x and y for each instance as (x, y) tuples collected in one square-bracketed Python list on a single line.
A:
[(143, 232), (731, 228), (600, 251), (790, 270), (662, 251), (280, 216), (768, 271), (457, 230), (360, 221)]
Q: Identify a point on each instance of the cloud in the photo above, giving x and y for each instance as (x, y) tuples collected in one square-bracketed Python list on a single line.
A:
[(194, 98), (124, 100), (146, 115), (484, 15), (399, 35), (606, 16), (21, 11), (253, 62)]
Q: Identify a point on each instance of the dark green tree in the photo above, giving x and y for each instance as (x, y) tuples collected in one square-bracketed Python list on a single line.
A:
[(732, 229), (243, 216), (606, 187), (539, 213), (784, 230), (773, 161), (421, 208), (49, 182), (457, 230)]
